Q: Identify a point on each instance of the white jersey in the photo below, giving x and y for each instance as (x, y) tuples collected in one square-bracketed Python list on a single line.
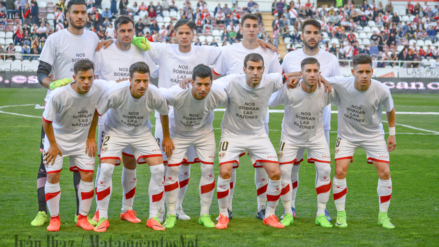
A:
[(175, 65), (359, 113), (191, 117), (114, 64), (303, 119), (127, 115), (63, 49), (247, 107), (71, 115), (329, 66), (231, 60)]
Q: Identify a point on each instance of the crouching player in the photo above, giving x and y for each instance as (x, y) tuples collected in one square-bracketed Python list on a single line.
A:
[(129, 105), (191, 125), (69, 121), (359, 116), (302, 128)]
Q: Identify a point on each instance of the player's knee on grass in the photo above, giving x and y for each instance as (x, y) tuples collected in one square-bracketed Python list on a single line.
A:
[(86, 176), (53, 178), (129, 162)]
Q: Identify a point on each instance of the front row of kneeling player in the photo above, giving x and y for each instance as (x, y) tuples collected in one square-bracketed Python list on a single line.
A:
[(73, 110)]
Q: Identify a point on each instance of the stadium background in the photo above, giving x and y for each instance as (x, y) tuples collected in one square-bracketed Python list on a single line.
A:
[(414, 206)]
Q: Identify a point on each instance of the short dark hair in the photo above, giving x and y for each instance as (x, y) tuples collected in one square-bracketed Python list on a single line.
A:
[(75, 2), (139, 67), (312, 22), (83, 65), (254, 57), (309, 60), (201, 71), (249, 16), (186, 22), (123, 19), (361, 59)]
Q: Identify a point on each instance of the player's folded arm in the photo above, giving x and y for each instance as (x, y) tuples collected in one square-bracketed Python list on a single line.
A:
[(43, 72)]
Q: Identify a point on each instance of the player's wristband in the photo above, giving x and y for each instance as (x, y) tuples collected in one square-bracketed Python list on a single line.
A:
[(392, 131), (285, 79)]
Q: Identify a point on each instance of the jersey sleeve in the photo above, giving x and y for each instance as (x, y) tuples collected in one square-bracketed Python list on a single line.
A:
[(224, 81), (333, 98), (48, 54), (97, 63), (105, 103), (335, 81), (156, 51), (275, 66), (276, 79), (336, 71), (278, 98), (153, 69), (220, 96), (387, 100), (220, 66), (160, 103), (50, 109), (212, 54)]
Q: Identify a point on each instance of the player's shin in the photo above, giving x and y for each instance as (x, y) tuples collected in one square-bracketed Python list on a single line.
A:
[(384, 193), (53, 195), (183, 178), (206, 188), (286, 187), (339, 191), (261, 181), (76, 181), (273, 194), (232, 186), (171, 187), (323, 185), (104, 189), (41, 182), (156, 188), (222, 192), (294, 183), (85, 194), (129, 183)]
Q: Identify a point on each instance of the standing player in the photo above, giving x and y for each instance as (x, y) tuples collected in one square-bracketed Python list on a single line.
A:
[(311, 33), (302, 128), (129, 106), (243, 129), (230, 62), (191, 125), (69, 121), (359, 117), (61, 51), (113, 63)]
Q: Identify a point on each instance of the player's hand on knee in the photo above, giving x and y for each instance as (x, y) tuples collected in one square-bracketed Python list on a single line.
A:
[(185, 83), (391, 143), (50, 155), (325, 83), (90, 147), (105, 44), (168, 146)]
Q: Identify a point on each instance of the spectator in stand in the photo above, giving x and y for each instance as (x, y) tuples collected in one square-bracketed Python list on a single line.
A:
[(101, 33), (34, 13), (172, 6), (159, 9), (106, 13), (149, 37), (113, 8), (374, 49), (277, 22), (213, 43), (381, 64), (123, 5), (10, 50), (389, 7), (27, 38), (198, 43), (19, 38), (154, 26), (152, 14), (10, 8), (206, 43), (217, 9), (276, 36), (2, 50), (280, 8), (25, 50), (207, 23), (292, 14), (226, 10), (250, 5), (432, 34), (232, 36), (109, 32), (26, 14), (139, 26), (391, 39), (220, 17), (225, 35)]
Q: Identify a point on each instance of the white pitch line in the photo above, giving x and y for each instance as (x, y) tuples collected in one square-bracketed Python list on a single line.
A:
[(17, 114), (415, 128)]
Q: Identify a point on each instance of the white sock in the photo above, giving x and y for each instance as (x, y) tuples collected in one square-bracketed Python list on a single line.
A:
[(171, 187), (105, 188), (222, 193), (261, 181), (183, 178), (206, 188), (85, 195), (273, 194), (294, 183), (53, 195), (323, 185), (129, 182), (286, 192), (384, 194), (231, 189), (339, 190), (96, 184), (155, 191)]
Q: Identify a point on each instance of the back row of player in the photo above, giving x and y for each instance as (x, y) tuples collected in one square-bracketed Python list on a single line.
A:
[(184, 57)]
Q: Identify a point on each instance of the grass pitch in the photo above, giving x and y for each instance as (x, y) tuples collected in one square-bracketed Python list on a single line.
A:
[(413, 209)]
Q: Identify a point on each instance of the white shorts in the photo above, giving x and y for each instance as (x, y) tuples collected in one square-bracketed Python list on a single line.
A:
[(259, 148), (375, 150), (318, 150), (204, 147), (190, 156), (127, 151), (81, 162), (143, 146)]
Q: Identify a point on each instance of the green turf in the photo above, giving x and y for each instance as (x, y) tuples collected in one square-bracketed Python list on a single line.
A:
[(413, 209)]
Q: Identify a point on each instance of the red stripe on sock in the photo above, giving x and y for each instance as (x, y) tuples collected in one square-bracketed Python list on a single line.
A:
[(295, 185), (231, 185), (207, 188), (324, 188), (384, 199), (171, 187), (272, 198), (87, 195), (51, 195), (102, 194), (158, 197), (222, 194), (340, 194), (262, 190), (184, 183), (130, 194), (285, 190)]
